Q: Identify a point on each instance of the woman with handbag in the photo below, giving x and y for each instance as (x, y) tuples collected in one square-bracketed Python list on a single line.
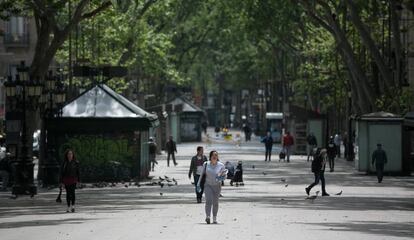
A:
[(69, 177), (214, 172)]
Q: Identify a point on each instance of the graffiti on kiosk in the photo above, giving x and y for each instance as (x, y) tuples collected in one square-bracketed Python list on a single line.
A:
[(94, 149)]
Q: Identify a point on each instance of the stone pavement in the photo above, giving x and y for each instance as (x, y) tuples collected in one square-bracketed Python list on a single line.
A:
[(265, 208)]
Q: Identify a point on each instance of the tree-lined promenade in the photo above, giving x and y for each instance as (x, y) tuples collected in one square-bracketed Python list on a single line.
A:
[(263, 208)]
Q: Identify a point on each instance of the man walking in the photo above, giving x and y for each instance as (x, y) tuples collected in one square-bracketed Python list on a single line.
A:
[(318, 169), (337, 141), (268, 141), (287, 145), (196, 168), (379, 157), (171, 149), (331, 150), (312, 143), (152, 152)]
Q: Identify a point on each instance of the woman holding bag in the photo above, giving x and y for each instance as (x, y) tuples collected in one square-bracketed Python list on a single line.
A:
[(213, 173)]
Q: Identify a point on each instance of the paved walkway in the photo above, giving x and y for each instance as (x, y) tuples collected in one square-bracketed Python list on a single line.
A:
[(265, 208)]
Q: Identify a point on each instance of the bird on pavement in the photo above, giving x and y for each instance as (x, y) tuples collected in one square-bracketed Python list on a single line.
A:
[(286, 185), (162, 179), (264, 173), (253, 166), (283, 180), (161, 193), (339, 194), (168, 180), (175, 181), (170, 185), (166, 177), (161, 184)]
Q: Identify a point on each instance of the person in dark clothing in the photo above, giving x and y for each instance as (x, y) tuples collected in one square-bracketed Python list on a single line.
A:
[(312, 143), (152, 152), (171, 149), (247, 132), (331, 150), (69, 177), (268, 141), (379, 157), (5, 171), (196, 168), (204, 126), (318, 169)]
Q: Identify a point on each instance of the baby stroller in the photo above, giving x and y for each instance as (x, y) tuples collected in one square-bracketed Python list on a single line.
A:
[(282, 155), (238, 175)]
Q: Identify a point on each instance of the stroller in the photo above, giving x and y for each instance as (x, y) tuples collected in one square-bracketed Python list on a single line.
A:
[(238, 175), (282, 155)]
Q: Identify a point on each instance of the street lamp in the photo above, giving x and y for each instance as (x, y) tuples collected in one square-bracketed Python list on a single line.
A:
[(23, 94), (52, 100)]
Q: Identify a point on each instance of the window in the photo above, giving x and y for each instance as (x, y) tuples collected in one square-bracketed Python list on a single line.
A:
[(16, 26)]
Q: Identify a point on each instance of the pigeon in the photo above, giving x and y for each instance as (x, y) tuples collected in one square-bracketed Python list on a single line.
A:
[(169, 184), (286, 185), (161, 193), (175, 181), (168, 180), (161, 184), (264, 173), (253, 166), (283, 180), (339, 194), (162, 179), (166, 177), (126, 185)]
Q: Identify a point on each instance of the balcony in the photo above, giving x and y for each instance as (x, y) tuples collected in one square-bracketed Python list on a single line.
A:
[(16, 39)]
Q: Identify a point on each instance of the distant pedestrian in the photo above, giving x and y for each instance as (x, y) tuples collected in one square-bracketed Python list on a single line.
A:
[(331, 150), (204, 125), (345, 140), (287, 145), (69, 177), (196, 168), (338, 141), (5, 170), (312, 144), (318, 169), (152, 152), (379, 157), (171, 148), (247, 132), (268, 142), (215, 172)]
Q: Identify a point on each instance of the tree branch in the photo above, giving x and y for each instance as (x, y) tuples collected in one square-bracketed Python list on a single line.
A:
[(99, 9)]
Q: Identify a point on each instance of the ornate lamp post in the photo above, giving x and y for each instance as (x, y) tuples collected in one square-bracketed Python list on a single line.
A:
[(23, 94), (52, 99)]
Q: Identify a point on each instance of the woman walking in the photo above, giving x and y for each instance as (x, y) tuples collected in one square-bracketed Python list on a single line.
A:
[(213, 173), (69, 177)]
